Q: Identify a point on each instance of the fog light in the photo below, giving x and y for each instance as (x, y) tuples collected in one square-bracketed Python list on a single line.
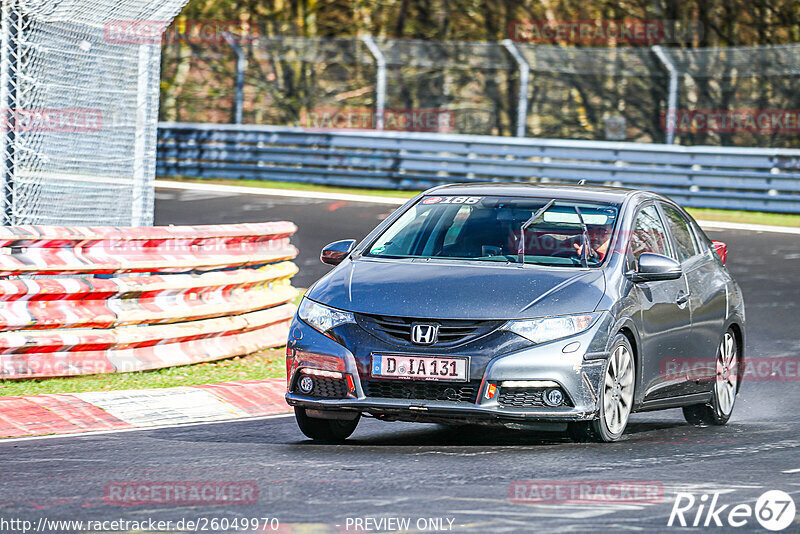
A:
[(554, 397), (322, 373), (490, 391), (306, 384)]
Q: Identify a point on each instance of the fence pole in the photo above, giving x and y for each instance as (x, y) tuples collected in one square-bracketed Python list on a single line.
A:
[(380, 82), (241, 66), (672, 98), (524, 74), (9, 55), (141, 209)]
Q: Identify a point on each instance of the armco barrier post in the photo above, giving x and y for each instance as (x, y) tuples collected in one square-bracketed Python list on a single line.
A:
[(672, 92), (241, 66), (380, 80), (524, 75)]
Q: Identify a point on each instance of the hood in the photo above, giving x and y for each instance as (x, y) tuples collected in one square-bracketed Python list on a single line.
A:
[(451, 290)]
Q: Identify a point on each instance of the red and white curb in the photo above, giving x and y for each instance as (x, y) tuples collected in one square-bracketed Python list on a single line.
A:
[(36, 415)]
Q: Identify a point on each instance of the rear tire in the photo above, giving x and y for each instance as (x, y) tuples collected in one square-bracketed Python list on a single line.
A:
[(327, 430), (726, 385), (616, 397)]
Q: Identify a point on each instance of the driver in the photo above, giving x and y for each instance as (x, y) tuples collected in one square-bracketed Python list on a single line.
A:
[(600, 235)]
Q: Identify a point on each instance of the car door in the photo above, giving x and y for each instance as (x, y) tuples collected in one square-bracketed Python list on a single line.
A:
[(707, 300), (665, 319)]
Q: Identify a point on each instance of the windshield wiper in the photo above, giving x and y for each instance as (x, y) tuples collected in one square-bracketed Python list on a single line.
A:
[(584, 240), (525, 226)]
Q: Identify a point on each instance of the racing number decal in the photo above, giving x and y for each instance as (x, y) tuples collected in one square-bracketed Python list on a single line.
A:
[(451, 200)]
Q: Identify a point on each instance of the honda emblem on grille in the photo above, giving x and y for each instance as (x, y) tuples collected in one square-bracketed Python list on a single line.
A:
[(424, 334)]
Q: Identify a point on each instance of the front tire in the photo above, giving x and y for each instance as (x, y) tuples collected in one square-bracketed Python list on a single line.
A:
[(616, 397), (719, 411), (327, 430)]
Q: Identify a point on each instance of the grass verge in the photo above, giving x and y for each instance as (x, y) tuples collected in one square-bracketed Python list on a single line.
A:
[(268, 363), (737, 216), (746, 217)]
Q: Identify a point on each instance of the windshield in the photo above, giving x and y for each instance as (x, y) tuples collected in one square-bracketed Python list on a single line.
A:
[(489, 228)]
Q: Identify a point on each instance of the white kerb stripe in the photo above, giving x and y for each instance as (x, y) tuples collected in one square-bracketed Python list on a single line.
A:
[(263, 191), (152, 407)]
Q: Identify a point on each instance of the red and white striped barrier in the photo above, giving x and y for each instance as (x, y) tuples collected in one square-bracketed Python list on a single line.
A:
[(201, 293)]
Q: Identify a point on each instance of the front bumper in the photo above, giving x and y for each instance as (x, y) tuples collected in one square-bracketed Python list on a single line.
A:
[(575, 364)]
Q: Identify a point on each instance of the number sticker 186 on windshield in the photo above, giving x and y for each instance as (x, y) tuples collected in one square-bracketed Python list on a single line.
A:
[(451, 200)]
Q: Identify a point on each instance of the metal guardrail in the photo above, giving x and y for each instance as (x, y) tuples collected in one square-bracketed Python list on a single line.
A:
[(201, 293), (762, 179)]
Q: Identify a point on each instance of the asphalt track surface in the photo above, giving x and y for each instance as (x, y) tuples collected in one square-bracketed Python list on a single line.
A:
[(403, 470)]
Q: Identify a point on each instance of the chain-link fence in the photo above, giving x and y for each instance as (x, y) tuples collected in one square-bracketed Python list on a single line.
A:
[(720, 96), (78, 109)]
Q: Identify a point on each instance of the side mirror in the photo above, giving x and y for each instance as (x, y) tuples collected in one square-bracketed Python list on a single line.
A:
[(655, 267), (722, 250), (334, 253)]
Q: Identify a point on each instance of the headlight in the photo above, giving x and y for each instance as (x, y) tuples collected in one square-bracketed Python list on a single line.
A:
[(550, 328), (322, 317)]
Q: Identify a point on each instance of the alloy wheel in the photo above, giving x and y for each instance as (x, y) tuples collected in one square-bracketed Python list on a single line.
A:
[(727, 374), (618, 394)]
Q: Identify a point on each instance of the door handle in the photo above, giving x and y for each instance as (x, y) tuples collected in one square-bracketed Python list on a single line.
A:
[(682, 299)]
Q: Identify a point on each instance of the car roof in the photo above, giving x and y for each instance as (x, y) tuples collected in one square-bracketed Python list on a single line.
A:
[(559, 191)]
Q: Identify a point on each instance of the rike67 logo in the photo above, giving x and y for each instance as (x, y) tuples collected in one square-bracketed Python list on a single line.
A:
[(774, 510)]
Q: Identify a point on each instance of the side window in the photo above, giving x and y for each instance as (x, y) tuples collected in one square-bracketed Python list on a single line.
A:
[(648, 234), (681, 232)]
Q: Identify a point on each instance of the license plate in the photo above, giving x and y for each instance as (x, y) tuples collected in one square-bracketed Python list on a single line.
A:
[(420, 367)]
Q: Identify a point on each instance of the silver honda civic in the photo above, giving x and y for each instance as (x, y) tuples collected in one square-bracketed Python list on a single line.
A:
[(543, 307)]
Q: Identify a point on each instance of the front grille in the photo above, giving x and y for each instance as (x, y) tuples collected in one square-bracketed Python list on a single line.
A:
[(451, 331), (333, 388), (525, 398), (421, 390)]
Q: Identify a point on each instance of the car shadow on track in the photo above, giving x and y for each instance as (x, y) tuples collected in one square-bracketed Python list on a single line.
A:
[(283, 431), (479, 435)]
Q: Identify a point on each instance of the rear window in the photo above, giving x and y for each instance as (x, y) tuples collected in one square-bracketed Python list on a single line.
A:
[(488, 228)]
